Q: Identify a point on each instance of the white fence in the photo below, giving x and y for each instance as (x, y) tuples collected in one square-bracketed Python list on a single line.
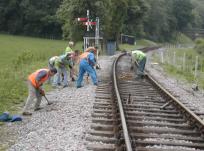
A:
[(182, 61)]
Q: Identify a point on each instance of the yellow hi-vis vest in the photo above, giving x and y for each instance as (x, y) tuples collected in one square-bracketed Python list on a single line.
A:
[(139, 55)]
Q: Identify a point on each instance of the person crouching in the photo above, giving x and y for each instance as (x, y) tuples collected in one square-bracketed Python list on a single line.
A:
[(35, 82)]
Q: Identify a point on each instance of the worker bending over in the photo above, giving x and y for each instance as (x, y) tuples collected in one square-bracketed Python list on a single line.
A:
[(51, 62), (86, 64), (62, 64), (69, 49), (140, 58), (74, 61), (35, 82)]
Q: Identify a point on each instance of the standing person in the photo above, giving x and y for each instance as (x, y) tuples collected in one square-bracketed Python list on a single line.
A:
[(35, 82), (61, 65), (86, 64), (69, 47), (139, 57)]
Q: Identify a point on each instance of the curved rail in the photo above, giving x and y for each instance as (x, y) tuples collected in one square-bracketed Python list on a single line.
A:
[(152, 115), (195, 118), (123, 121)]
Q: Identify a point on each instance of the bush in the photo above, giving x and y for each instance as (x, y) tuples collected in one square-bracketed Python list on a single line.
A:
[(199, 47)]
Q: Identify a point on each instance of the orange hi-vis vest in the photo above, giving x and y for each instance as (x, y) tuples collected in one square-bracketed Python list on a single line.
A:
[(32, 78)]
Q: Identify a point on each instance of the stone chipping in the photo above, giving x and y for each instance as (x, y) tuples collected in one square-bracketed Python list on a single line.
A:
[(178, 88), (63, 126)]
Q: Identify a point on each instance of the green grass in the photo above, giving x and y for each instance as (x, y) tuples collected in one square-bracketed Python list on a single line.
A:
[(184, 40), (179, 74), (186, 74), (19, 57), (139, 44)]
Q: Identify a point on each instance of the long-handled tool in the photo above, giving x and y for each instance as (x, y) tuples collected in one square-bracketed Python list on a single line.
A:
[(43, 94), (49, 103)]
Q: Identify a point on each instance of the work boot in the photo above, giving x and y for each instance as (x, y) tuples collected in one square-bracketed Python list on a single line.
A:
[(65, 86), (79, 86), (38, 108), (26, 113)]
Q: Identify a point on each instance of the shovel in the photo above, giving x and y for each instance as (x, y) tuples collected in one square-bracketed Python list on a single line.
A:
[(49, 103)]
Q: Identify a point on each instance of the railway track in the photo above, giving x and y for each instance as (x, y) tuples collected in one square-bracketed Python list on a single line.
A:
[(138, 114)]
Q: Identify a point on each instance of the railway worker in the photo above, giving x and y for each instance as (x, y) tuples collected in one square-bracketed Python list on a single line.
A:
[(139, 57), (86, 64), (51, 62), (62, 64), (69, 47), (74, 60), (35, 82), (51, 65), (84, 55)]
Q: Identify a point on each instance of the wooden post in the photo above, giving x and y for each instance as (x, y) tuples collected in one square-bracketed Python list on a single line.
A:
[(162, 57), (184, 61), (196, 67), (174, 59)]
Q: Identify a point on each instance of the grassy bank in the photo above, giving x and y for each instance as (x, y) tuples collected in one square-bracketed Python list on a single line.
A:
[(181, 63), (19, 57), (139, 44)]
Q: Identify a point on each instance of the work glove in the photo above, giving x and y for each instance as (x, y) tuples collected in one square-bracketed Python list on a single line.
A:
[(98, 67), (42, 92), (70, 66)]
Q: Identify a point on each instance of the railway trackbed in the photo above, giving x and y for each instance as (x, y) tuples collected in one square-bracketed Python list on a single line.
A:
[(138, 114)]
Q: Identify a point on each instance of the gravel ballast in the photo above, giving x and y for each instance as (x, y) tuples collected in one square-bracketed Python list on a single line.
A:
[(178, 88), (62, 126)]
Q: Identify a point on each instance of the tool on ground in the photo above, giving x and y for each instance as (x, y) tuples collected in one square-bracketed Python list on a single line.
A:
[(49, 103), (43, 94)]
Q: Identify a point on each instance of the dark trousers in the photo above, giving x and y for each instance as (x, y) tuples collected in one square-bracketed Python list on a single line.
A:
[(141, 67)]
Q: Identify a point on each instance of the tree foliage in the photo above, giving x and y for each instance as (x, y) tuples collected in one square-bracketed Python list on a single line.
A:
[(30, 17), (158, 20), (115, 15)]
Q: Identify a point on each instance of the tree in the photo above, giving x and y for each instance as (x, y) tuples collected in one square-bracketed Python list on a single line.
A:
[(134, 21), (72, 9), (115, 16), (182, 10), (30, 17), (160, 23)]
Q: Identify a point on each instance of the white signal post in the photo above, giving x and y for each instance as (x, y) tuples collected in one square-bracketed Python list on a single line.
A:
[(88, 23), (97, 36), (87, 27), (97, 32)]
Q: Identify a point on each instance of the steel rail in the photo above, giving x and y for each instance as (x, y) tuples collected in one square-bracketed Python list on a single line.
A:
[(181, 105), (123, 120)]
